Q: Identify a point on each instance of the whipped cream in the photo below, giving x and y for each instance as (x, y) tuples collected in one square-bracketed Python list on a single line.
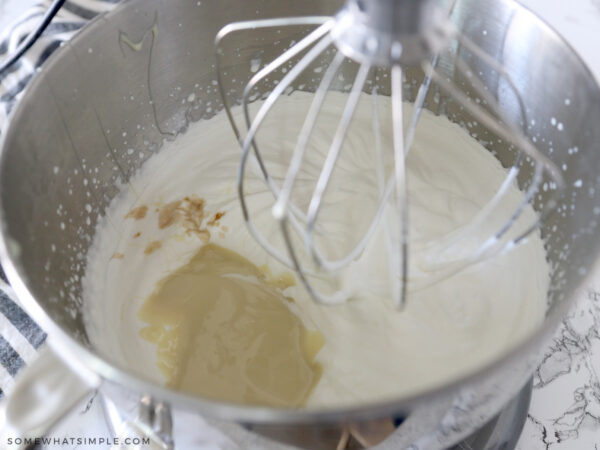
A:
[(448, 328)]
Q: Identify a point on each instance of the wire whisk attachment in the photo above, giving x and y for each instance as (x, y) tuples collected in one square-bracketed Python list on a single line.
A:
[(384, 39)]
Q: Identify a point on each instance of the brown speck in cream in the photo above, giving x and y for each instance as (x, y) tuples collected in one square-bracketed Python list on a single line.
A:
[(137, 213), (192, 209), (152, 247), (225, 228), (137, 235), (215, 220), (168, 214), (117, 255), (190, 213)]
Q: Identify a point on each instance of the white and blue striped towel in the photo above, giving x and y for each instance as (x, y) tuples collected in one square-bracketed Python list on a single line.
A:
[(20, 336)]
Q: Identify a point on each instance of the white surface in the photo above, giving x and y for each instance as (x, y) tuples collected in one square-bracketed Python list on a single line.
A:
[(578, 21), (11, 9)]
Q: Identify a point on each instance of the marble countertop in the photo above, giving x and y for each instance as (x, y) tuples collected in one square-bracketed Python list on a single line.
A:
[(565, 405)]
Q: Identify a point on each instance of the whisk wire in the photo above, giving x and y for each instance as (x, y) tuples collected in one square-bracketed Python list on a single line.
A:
[(299, 229), (333, 154), (509, 131), (252, 25), (280, 88), (249, 140), (280, 207), (399, 296)]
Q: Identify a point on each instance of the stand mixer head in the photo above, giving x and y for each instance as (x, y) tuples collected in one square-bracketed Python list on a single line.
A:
[(381, 37)]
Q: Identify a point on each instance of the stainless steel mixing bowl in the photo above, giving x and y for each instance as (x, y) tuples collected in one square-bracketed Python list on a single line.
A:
[(125, 83)]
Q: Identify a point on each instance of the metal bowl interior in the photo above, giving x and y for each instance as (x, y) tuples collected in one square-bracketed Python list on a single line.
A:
[(124, 83)]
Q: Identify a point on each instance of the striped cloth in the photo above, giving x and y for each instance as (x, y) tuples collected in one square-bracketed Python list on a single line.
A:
[(20, 336), (73, 15)]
